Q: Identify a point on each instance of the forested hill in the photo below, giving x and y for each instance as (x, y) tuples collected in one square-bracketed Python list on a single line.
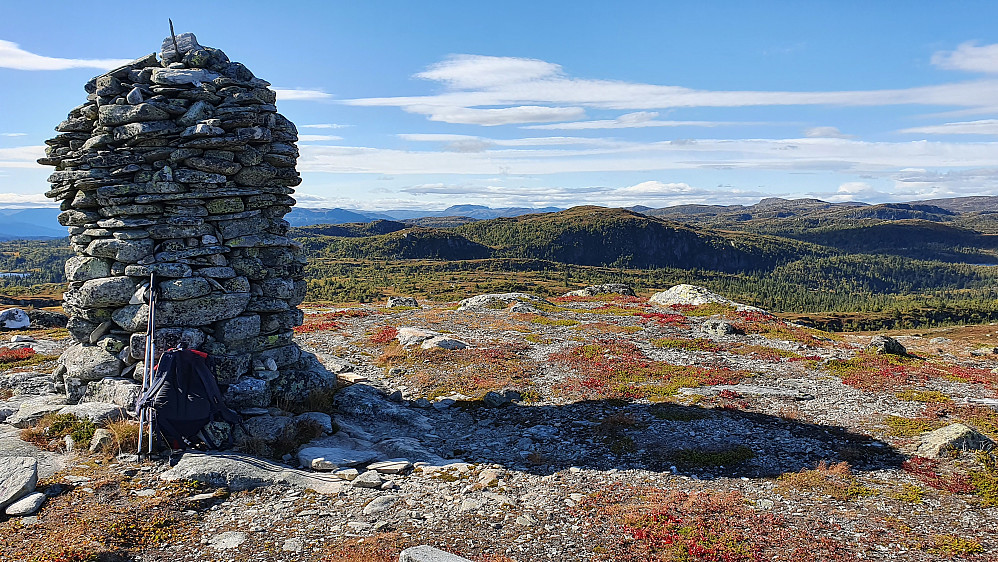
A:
[(589, 235)]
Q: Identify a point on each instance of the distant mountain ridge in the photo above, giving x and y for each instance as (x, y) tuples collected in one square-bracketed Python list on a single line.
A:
[(765, 217), (21, 224)]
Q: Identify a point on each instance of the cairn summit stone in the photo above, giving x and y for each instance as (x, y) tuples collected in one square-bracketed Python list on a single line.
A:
[(179, 167)]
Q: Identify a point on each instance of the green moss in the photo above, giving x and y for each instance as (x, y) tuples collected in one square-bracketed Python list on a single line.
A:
[(952, 545), (985, 482), (544, 320), (922, 396), (909, 427)]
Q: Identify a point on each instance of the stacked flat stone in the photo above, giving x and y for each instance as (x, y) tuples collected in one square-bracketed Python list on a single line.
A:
[(180, 166)]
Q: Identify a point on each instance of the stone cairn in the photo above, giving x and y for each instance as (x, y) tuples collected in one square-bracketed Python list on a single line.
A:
[(182, 167)]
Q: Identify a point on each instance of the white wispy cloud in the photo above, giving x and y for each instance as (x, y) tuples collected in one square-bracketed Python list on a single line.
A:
[(970, 57), (472, 143), (981, 127), (652, 193), (826, 132), (496, 116), (301, 94), (323, 126), (25, 200), (634, 120), (21, 156), (314, 138), (505, 90), (13, 134), (802, 154), (13, 56)]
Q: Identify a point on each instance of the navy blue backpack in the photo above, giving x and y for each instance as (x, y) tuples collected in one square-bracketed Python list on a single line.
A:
[(183, 397)]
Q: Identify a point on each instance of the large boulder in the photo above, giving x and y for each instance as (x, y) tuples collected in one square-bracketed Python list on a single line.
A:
[(408, 337), (402, 302), (18, 476), (688, 295), (244, 472), (497, 301), (886, 345), (90, 363), (605, 289), (98, 412), (952, 439), (14, 319)]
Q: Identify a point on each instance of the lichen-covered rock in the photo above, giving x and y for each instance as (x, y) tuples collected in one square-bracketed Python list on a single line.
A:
[(408, 337), (248, 392), (688, 294), (18, 476), (953, 438), (98, 412), (886, 345), (606, 289), (14, 319), (498, 301), (714, 327), (401, 302), (120, 392), (90, 363)]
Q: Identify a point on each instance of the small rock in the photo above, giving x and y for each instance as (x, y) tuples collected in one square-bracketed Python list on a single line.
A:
[(488, 477), (101, 441), (293, 545), (346, 473), (425, 553), (26, 505), (368, 479), (392, 466), (22, 338), (359, 526), (765, 504), (227, 540), (493, 399), (380, 504), (471, 504), (718, 328), (526, 521)]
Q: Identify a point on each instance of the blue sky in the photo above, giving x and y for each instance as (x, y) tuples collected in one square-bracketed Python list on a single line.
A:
[(427, 104)]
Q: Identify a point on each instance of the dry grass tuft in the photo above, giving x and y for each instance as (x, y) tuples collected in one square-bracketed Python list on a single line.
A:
[(834, 480)]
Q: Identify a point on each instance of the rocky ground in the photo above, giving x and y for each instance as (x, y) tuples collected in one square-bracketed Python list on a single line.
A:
[(588, 427)]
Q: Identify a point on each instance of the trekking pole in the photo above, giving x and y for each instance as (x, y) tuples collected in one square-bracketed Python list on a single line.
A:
[(144, 413), (152, 353)]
